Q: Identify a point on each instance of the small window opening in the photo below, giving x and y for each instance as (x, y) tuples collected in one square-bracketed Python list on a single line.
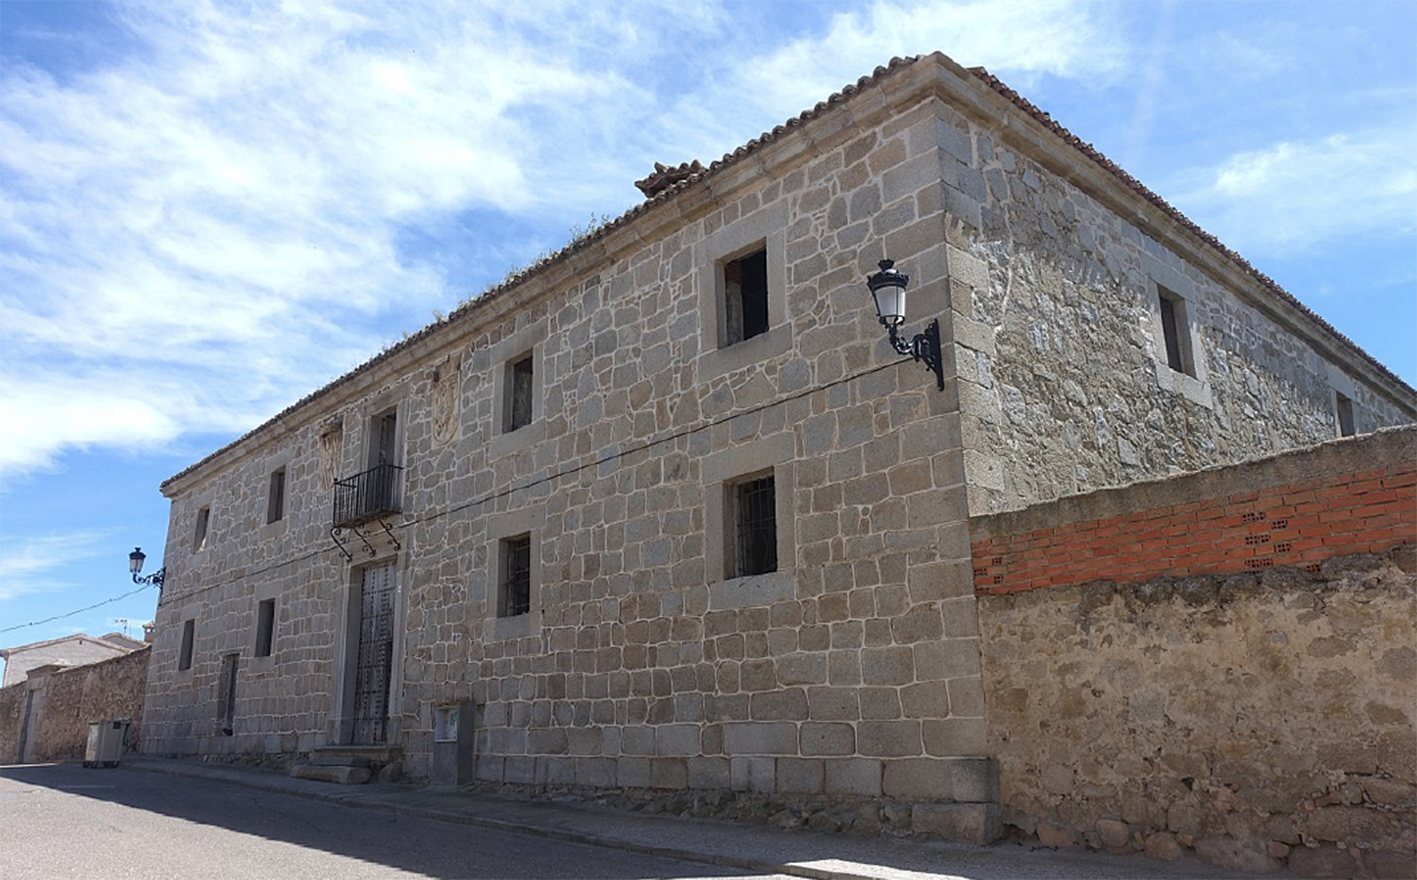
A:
[(265, 627), (1344, 406), (754, 509), (1174, 328), (383, 435), (199, 538), (275, 501), (519, 393), (228, 693), (516, 576), (745, 297), (189, 633)]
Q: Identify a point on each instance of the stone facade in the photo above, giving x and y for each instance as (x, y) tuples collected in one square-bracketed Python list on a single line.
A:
[(1063, 378), (643, 661), (47, 717), (1253, 713)]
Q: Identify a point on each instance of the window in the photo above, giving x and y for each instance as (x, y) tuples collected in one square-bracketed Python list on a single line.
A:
[(199, 538), (383, 437), (740, 276), (265, 627), (189, 632), (745, 297), (229, 665), (753, 507), (520, 389), (1175, 329), (275, 501), (515, 594), (1343, 405)]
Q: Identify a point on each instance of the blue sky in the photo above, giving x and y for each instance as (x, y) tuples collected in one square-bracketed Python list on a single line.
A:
[(208, 210)]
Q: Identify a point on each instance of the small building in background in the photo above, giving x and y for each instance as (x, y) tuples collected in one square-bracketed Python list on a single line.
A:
[(75, 650)]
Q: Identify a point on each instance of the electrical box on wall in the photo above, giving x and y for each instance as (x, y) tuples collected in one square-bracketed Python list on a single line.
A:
[(453, 761), (445, 723)]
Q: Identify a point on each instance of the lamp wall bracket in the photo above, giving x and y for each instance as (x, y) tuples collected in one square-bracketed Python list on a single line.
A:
[(923, 348)]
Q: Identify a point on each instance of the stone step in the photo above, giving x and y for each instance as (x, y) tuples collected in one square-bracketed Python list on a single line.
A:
[(355, 756), (337, 759), (340, 775)]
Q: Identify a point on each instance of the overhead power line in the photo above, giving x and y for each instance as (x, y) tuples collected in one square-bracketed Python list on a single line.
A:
[(76, 611)]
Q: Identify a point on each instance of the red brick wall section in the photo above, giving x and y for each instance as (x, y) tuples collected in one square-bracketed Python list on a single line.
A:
[(1296, 524)]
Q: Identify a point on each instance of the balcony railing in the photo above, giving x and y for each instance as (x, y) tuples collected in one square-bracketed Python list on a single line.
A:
[(368, 496)]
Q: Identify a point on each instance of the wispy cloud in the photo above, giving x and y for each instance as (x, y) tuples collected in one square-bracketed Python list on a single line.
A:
[(31, 561), (1293, 194), (1025, 40), (199, 231), (195, 236)]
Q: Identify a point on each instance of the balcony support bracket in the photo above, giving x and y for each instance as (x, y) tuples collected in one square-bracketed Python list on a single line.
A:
[(364, 539), (389, 530), (340, 543)]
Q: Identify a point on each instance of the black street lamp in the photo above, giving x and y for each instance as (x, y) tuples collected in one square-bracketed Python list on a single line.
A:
[(135, 565), (888, 291)]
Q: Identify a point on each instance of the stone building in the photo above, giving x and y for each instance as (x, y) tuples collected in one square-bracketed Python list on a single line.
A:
[(72, 650), (667, 510)]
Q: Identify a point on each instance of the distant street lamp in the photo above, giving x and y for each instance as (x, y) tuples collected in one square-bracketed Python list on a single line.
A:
[(135, 565), (888, 291)]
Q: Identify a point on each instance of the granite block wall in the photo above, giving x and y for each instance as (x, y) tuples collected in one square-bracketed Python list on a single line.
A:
[(641, 661)]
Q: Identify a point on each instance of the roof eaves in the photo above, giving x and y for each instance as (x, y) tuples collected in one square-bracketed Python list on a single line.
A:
[(559, 256)]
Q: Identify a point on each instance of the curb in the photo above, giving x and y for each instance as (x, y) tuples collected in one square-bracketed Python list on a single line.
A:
[(529, 829)]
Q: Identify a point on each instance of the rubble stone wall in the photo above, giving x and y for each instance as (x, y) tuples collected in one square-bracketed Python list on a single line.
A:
[(12, 708), (1064, 382), (1258, 717), (108, 690)]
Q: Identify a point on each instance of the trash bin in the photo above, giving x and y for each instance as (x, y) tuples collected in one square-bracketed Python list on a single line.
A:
[(106, 742)]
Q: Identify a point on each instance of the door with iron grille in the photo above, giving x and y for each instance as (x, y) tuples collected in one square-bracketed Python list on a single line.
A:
[(374, 661)]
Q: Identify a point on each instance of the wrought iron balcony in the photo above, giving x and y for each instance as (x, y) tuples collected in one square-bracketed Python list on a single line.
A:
[(368, 496)]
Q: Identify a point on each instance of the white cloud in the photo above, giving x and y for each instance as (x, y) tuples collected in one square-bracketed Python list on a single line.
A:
[(198, 235), (199, 232), (1032, 37), (30, 561), (1019, 40), (1294, 194)]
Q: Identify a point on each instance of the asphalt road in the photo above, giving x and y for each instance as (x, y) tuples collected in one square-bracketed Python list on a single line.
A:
[(63, 821)]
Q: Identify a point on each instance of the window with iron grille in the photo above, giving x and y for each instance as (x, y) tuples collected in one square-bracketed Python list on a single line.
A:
[(189, 634), (275, 500), (754, 508), (516, 576), (520, 389), (745, 297)]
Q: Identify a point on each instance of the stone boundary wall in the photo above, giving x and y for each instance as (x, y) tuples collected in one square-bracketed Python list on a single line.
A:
[(12, 708), (1261, 717), (1357, 495), (68, 701)]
